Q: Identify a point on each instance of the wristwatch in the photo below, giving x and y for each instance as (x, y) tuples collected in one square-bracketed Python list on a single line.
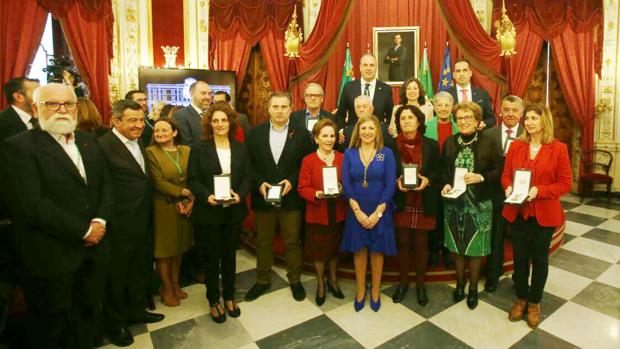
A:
[(379, 214)]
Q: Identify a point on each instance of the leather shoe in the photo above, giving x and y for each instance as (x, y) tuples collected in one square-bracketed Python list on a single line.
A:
[(335, 291), (359, 305), (472, 299), (318, 298), (375, 305), (533, 315), (400, 293), (490, 285), (516, 313), (236, 310), (421, 295), (121, 337), (150, 318), (221, 315), (459, 293), (299, 293), (256, 291)]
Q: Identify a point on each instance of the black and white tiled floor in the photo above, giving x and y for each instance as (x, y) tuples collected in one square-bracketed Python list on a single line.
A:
[(581, 306)]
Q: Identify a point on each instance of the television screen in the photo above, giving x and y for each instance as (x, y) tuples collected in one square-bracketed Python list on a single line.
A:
[(172, 85)]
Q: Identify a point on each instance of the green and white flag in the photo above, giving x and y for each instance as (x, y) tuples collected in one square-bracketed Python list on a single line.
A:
[(424, 75), (347, 71)]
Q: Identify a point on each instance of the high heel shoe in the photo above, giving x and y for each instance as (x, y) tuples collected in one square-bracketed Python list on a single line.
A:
[(335, 291), (221, 315), (459, 293), (320, 299), (400, 293), (472, 299), (375, 305), (236, 310), (420, 292), (359, 305)]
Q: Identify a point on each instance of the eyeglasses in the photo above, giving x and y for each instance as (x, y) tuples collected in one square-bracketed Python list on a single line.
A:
[(308, 95), (140, 99), (55, 106), (466, 118)]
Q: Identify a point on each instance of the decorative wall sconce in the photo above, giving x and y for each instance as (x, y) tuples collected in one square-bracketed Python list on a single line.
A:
[(170, 54), (603, 106), (293, 37), (506, 34)]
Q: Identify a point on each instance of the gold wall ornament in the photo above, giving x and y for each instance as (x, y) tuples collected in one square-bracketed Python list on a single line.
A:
[(293, 37), (506, 34), (170, 54), (603, 106)]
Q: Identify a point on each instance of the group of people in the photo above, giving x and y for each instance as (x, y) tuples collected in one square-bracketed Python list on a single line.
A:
[(87, 215)]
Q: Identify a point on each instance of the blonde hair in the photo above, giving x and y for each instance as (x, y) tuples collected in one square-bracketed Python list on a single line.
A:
[(546, 123), (355, 138)]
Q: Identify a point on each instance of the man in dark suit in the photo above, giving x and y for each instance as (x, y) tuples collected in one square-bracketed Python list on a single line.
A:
[(139, 97), (243, 119), (189, 118), (363, 108), (60, 202), (18, 116), (463, 91), (509, 128), (313, 97), (130, 233), (396, 57), (276, 150), (379, 92)]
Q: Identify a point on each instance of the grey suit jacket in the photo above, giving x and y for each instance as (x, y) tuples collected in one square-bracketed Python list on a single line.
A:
[(188, 121)]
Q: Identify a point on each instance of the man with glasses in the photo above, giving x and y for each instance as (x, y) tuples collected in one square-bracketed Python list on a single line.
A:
[(60, 201), (189, 118), (313, 96)]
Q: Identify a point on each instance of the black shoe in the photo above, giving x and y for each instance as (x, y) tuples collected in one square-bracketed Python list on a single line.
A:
[(400, 293), (221, 315), (421, 295), (336, 292), (236, 311), (447, 260), (299, 293), (318, 299), (121, 337), (459, 293), (490, 285), (433, 259), (151, 318), (472, 299), (256, 291)]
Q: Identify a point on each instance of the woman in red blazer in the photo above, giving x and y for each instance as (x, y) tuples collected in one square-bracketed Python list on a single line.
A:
[(533, 222), (324, 216)]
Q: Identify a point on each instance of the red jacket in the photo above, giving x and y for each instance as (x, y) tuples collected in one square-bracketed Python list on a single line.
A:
[(551, 174), (311, 181)]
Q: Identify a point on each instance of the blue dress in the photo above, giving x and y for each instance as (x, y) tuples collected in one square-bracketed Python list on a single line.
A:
[(381, 177)]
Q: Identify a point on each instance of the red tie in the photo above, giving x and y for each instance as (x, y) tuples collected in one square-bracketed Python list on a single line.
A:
[(464, 97), (508, 132)]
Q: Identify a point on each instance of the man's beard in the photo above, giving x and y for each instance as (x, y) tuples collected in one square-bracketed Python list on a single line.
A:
[(58, 123)]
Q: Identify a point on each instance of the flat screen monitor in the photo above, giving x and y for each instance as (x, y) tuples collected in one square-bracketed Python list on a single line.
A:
[(172, 85)]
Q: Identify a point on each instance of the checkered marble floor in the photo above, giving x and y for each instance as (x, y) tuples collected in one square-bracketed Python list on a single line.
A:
[(581, 306)]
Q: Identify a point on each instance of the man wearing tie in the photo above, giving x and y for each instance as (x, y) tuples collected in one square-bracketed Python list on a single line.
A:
[(189, 118), (502, 134), (18, 117), (60, 202), (464, 91), (130, 233), (378, 91)]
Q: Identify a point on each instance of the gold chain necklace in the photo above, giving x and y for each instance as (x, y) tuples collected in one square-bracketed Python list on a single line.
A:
[(366, 162)]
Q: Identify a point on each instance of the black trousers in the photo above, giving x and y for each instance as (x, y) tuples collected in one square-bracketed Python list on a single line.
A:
[(65, 311), (218, 245), (495, 261), (131, 267), (530, 243)]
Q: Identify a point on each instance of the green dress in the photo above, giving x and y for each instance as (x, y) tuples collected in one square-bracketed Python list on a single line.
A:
[(468, 220)]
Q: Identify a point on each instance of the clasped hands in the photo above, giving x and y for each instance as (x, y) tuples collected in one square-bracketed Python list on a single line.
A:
[(366, 221), (97, 232), (423, 184)]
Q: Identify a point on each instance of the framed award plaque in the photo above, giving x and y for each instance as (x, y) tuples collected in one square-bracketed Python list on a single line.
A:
[(410, 176), (521, 184), (459, 186), (330, 181)]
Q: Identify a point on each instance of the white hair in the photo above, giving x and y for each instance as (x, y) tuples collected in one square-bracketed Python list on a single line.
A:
[(36, 95), (314, 84), (362, 98), (443, 95)]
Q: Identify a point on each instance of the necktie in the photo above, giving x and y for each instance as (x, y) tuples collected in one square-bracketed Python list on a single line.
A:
[(508, 132), (464, 97), (33, 122), (367, 90)]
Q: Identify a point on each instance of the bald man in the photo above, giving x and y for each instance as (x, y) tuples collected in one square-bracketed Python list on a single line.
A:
[(313, 97), (189, 118)]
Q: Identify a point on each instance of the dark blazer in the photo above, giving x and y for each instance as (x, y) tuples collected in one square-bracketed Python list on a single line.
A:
[(189, 122), (10, 123), (495, 133), (203, 165), (485, 164), (430, 168), (481, 97), (397, 69), (131, 192), (264, 169), (382, 102), (147, 133), (299, 116), (52, 205)]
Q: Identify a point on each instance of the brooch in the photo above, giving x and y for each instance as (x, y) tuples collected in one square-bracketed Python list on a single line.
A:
[(291, 134), (380, 157)]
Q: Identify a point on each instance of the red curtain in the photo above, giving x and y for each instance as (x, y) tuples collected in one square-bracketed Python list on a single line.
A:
[(230, 54), (21, 27), (520, 67), (168, 30), (573, 54), (279, 67)]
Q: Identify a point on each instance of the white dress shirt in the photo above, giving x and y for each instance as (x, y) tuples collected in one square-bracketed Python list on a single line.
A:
[(224, 156), (371, 88), (133, 147), (277, 140), (459, 92)]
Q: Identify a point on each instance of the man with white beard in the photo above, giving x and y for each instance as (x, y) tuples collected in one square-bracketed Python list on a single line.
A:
[(60, 199)]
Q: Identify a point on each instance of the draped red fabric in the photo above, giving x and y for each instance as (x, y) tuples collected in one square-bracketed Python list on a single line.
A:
[(573, 54), (89, 41), (279, 67), (168, 14), (231, 54), (21, 26), (520, 67)]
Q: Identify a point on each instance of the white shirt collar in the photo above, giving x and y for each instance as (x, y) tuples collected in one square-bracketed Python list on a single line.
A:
[(467, 88), (514, 129), (283, 128), (123, 139), (62, 139), (25, 117), (364, 82), (198, 110)]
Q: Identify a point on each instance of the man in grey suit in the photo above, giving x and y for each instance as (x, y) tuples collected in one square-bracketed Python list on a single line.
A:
[(508, 129), (189, 118)]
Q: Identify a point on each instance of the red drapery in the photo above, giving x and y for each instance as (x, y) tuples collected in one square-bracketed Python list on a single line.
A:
[(573, 54), (21, 27), (520, 67), (168, 30), (230, 54)]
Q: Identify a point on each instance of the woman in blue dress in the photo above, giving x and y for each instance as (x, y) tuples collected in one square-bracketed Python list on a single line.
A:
[(369, 182)]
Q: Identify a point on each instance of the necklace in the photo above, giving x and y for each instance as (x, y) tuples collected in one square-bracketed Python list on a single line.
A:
[(462, 142), (366, 162), (175, 162), (329, 159)]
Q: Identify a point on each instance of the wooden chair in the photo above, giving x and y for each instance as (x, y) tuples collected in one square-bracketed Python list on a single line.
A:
[(596, 165)]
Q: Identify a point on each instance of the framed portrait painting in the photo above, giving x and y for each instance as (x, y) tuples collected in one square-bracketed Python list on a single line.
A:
[(397, 52)]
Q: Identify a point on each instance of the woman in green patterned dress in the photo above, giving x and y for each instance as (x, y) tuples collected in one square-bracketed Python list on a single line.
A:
[(467, 218)]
